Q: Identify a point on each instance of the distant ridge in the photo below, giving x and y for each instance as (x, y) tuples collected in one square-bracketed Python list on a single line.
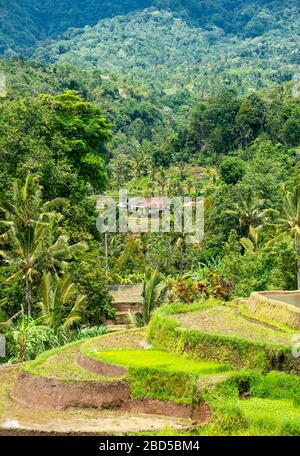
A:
[(167, 53), (25, 23)]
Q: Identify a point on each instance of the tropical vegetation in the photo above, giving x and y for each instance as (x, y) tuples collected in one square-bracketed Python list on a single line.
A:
[(161, 98)]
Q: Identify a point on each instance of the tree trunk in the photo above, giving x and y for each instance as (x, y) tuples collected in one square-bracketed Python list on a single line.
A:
[(22, 349), (28, 296), (106, 254)]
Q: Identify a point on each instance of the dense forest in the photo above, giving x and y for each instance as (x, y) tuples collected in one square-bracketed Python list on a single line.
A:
[(24, 23), (195, 98), (171, 56)]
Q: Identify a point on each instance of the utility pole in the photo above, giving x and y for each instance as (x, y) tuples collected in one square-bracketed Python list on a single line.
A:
[(106, 253)]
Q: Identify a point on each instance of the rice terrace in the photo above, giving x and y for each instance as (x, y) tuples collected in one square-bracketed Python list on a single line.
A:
[(203, 368)]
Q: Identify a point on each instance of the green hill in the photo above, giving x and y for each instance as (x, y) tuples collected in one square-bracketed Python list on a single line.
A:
[(166, 53), (24, 23)]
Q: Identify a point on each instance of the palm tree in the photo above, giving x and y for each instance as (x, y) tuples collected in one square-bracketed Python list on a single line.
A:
[(25, 204), (289, 223), (25, 231), (154, 294), (160, 179), (25, 255), (250, 212), (57, 296), (210, 181), (254, 242), (31, 243)]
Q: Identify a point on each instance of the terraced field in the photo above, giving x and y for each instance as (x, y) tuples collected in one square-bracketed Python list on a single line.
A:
[(207, 369), (168, 362), (63, 392), (61, 364), (261, 395), (229, 322)]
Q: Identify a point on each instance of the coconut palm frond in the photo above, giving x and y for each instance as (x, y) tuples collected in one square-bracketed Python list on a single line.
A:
[(248, 245), (71, 320), (17, 276)]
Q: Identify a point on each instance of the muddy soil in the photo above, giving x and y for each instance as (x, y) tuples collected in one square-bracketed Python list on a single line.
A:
[(18, 419)]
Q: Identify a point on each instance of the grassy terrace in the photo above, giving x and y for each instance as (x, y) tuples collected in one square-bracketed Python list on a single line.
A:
[(156, 359), (151, 373), (75, 420), (131, 339), (223, 334), (270, 407), (227, 321), (155, 373), (128, 348), (272, 417), (61, 363)]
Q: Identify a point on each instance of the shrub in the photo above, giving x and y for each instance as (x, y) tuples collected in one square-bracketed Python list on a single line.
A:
[(186, 291), (232, 170), (87, 332), (277, 385), (214, 285), (91, 281), (269, 410), (29, 338)]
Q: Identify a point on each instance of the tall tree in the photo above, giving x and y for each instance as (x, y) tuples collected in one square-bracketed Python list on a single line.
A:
[(250, 212), (289, 223), (30, 244), (83, 130)]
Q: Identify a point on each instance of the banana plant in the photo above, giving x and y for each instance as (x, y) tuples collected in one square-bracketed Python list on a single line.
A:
[(61, 304), (154, 293)]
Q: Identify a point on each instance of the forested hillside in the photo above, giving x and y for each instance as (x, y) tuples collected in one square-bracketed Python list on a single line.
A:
[(168, 54), (23, 23), (162, 98), (174, 48)]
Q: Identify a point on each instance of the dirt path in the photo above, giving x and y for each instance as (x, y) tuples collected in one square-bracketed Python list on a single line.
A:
[(104, 423)]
